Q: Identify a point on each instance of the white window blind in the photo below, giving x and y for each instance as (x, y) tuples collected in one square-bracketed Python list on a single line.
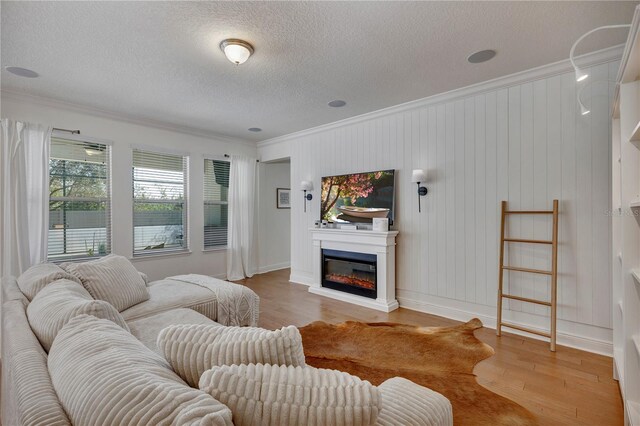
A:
[(216, 193), (159, 202), (79, 200)]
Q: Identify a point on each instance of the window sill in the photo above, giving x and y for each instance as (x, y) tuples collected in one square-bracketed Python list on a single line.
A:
[(148, 256), (214, 249)]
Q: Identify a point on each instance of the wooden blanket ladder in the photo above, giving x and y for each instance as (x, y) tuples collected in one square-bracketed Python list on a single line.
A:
[(553, 273)]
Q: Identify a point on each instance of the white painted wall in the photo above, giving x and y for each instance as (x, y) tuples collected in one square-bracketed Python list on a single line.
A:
[(123, 134), (518, 138), (274, 225)]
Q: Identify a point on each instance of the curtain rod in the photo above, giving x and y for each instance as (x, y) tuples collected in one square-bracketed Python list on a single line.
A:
[(228, 156), (73, 132)]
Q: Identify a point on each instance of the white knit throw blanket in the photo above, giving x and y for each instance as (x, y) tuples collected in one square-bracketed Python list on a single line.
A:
[(237, 305)]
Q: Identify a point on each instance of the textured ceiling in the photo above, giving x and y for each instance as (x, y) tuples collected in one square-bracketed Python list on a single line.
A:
[(161, 61)]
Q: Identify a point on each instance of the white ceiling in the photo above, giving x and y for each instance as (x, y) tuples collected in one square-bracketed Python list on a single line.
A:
[(161, 61)]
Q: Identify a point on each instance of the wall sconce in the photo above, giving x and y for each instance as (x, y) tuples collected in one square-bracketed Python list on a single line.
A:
[(306, 185), (418, 176)]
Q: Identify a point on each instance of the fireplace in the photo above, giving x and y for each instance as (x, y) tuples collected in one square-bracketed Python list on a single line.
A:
[(354, 273)]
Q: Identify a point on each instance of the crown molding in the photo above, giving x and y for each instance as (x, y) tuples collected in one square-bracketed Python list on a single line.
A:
[(610, 54), (86, 109)]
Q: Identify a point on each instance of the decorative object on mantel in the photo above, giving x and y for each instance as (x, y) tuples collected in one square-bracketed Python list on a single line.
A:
[(380, 224), (440, 358), (283, 198), (305, 186), (419, 176), (349, 227)]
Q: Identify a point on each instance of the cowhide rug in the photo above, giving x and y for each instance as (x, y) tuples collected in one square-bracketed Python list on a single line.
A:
[(440, 358)]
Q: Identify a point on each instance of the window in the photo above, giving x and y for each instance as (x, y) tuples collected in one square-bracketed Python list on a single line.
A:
[(79, 202), (216, 197), (159, 202)]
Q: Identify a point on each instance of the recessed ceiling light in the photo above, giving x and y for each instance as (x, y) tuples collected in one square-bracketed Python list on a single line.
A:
[(236, 50), (481, 56), (22, 72), (254, 129), (337, 103)]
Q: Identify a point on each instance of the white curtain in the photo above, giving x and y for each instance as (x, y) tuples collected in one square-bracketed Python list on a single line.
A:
[(24, 195), (241, 253)]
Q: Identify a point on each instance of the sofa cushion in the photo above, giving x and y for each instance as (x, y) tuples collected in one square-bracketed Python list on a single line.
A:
[(112, 279), (165, 295), (38, 276), (260, 394), (146, 329), (193, 349), (28, 396), (61, 301), (407, 403), (224, 302), (104, 376)]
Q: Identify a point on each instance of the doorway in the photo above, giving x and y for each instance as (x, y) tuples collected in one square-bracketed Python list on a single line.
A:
[(274, 215)]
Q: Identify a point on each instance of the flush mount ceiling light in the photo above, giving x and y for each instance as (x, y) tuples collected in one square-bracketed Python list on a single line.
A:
[(22, 72), (236, 50), (581, 75), (337, 103), (254, 129), (481, 56)]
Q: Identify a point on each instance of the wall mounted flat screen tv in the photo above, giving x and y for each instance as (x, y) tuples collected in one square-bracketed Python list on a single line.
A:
[(358, 197)]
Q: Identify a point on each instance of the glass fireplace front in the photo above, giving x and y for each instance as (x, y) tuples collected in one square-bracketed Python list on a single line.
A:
[(354, 273)]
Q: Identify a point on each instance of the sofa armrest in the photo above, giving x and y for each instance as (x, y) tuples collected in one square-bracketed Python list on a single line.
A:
[(28, 397), (407, 403), (11, 291)]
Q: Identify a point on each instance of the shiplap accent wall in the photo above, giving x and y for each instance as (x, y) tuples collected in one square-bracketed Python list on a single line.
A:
[(526, 143)]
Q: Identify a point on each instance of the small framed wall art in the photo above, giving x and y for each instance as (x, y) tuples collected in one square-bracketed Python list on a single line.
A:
[(283, 198)]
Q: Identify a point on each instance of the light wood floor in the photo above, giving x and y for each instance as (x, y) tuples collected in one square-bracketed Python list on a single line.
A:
[(569, 387)]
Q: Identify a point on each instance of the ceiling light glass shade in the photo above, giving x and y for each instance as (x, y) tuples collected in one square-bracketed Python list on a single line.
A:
[(237, 51), (306, 185), (418, 175)]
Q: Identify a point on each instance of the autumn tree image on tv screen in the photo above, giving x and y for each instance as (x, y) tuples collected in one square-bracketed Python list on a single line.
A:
[(357, 197)]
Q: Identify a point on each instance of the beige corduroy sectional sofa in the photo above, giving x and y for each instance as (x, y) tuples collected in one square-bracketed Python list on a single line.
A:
[(173, 352)]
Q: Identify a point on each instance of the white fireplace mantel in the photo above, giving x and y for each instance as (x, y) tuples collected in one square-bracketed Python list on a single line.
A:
[(380, 243)]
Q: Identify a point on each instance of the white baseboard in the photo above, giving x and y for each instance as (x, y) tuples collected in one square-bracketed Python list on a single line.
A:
[(301, 278), (274, 267), (377, 304), (590, 344)]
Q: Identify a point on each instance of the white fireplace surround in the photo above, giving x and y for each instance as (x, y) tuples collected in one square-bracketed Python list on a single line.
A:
[(382, 244)]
